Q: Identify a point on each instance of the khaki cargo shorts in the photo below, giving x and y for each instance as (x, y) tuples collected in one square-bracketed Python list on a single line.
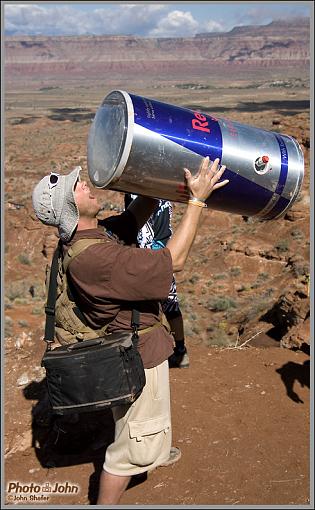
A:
[(143, 431)]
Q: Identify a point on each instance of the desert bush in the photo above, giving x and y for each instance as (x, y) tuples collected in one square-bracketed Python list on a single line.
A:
[(23, 323), (195, 329), (8, 326), (20, 290), (188, 328), (262, 276), (220, 304), (21, 301), (235, 271), (221, 276), (24, 259), (218, 337), (300, 270), (15, 290), (194, 278), (282, 245), (38, 310), (297, 234)]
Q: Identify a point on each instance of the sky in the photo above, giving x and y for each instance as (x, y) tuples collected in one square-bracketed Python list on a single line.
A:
[(145, 19)]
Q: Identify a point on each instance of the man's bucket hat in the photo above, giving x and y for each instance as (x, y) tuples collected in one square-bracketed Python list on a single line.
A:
[(54, 202)]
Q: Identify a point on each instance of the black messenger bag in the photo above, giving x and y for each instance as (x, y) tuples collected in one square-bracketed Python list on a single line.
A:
[(92, 374)]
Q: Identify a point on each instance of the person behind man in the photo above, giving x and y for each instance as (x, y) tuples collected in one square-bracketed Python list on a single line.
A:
[(108, 280), (154, 235)]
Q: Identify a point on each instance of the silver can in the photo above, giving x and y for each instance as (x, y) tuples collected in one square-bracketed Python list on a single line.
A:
[(140, 145)]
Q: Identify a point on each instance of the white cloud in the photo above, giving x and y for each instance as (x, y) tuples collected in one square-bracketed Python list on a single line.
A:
[(176, 24), (66, 20), (212, 26), (183, 24), (36, 19), (129, 19), (150, 20)]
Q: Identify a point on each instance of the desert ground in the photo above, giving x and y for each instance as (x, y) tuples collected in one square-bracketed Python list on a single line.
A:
[(241, 411)]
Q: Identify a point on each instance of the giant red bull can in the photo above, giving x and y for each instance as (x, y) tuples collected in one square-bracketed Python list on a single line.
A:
[(141, 146)]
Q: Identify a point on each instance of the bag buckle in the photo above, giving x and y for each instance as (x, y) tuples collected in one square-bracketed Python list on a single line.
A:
[(49, 310)]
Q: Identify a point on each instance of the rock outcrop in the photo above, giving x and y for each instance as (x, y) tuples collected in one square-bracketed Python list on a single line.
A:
[(276, 44)]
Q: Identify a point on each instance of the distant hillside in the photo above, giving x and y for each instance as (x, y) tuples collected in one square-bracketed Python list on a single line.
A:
[(279, 43)]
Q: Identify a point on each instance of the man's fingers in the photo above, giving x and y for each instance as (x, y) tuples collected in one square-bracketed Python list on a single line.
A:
[(220, 184), (214, 166), (187, 173), (219, 173), (204, 165)]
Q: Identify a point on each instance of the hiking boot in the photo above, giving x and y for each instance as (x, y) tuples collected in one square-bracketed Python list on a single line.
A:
[(179, 359), (175, 455)]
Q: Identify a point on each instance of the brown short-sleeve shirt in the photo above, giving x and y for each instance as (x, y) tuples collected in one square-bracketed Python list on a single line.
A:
[(109, 280)]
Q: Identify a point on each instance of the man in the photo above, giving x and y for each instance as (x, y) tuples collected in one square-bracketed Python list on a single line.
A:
[(108, 280), (154, 235)]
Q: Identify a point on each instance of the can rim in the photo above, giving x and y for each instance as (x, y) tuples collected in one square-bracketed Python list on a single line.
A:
[(128, 131), (129, 136), (299, 181)]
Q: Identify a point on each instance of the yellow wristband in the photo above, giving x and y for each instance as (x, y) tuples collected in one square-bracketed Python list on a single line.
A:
[(197, 202)]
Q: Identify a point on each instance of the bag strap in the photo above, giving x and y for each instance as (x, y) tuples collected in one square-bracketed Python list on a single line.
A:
[(135, 323), (77, 248), (49, 335)]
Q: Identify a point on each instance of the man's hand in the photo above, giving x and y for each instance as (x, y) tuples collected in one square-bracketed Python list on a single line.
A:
[(206, 180)]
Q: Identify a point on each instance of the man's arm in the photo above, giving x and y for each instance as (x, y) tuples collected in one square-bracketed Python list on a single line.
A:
[(200, 187)]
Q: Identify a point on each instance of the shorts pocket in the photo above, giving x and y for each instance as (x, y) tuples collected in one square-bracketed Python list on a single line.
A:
[(148, 440)]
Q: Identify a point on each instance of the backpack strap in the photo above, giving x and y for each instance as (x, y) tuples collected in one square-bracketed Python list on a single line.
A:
[(51, 299), (77, 248), (50, 308)]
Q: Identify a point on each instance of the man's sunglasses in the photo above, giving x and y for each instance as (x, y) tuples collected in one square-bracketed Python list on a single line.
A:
[(53, 180)]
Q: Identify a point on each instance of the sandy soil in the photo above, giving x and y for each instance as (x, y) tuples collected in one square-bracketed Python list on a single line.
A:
[(240, 416)]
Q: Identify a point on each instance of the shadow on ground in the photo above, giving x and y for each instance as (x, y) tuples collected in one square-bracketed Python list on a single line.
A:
[(72, 114), (294, 372), (75, 439), (71, 440), (286, 107)]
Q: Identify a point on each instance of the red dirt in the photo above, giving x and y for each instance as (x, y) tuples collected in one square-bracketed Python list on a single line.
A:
[(240, 417)]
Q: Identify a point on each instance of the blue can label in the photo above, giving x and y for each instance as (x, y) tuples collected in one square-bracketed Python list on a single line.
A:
[(195, 131)]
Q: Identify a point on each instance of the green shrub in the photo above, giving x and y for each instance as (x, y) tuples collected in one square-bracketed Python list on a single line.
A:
[(194, 278), (235, 271), (38, 310), (23, 323), (15, 290), (297, 234), (282, 245), (8, 326), (220, 304), (221, 276), (262, 276), (24, 259)]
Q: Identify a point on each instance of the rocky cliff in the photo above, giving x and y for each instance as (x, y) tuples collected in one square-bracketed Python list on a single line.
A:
[(279, 43)]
